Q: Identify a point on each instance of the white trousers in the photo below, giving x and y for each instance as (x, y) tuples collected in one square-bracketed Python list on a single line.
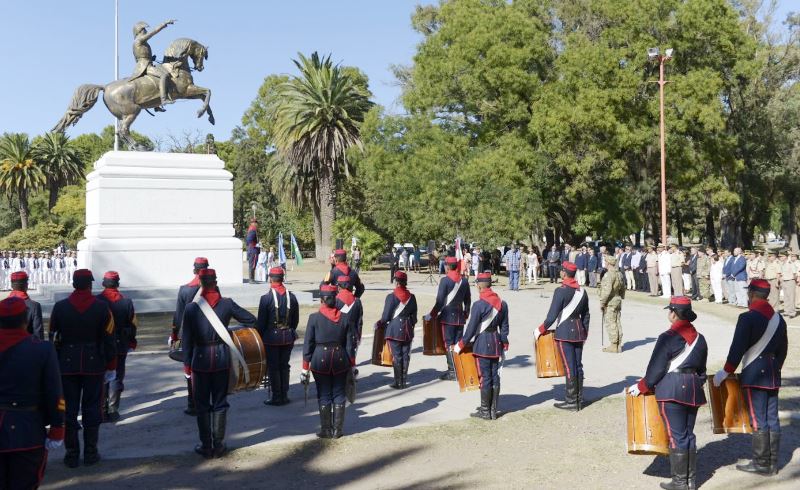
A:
[(666, 285)]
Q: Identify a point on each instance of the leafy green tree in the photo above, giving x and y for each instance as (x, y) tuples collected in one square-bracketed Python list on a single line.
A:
[(60, 162), (19, 173), (370, 243), (70, 212), (44, 236)]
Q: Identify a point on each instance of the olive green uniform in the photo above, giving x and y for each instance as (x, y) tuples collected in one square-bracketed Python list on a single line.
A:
[(703, 276), (771, 271), (612, 292)]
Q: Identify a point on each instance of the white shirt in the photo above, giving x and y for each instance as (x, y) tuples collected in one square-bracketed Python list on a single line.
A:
[(664, 263)]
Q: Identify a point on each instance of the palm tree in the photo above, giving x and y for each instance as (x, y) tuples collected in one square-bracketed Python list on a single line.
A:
[(19, 173), (60, 161), (317, 117)]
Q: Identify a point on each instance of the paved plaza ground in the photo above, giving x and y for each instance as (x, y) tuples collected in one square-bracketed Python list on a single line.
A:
[(423, 437)]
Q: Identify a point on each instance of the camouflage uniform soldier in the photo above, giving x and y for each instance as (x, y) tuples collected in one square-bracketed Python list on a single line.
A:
[(612, 292), (704, 275)]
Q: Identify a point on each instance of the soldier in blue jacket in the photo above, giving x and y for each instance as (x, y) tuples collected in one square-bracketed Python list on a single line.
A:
[(30, 400), (759, 344), (82, 329), (569, 311), (452, 307), (125, 334), (278, 317), (351, 307), (399, 318), (186, 294), (676, 374), (340, 268), (487, 331), (329, 353), (19, 289), (208, 361), (251, 240)]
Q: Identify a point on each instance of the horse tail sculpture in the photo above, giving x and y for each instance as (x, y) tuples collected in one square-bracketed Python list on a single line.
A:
[(84, 99)]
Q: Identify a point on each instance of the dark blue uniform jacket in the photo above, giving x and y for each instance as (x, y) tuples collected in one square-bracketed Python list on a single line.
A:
[(82, 329), (765, 371), (329, 346), (401, 327), (124, 320), (576, 327), (204, 350), (277, 325), (353, 311), (186, 295), (490, 341), (342, 269), (455, 312)]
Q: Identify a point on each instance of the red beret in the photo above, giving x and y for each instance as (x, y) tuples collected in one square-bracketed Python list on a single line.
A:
[(401, 275), (19, 276), (484, 277), (201, 261), (276, 271), (207, 273), (679, 303), (82, 274), (755, 285), (451, 260), (340, 252), (113, 275), (328, 290), (11, 307), (345, 280), (569, 266)]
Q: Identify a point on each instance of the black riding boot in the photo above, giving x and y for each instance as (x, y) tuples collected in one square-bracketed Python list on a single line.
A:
[(679, 468), (691, 475), (275, 387), (72, 457), (404, 379), (285, 386), (486, 400), (774, 446), (579, 393), (398, 373), (570, 395), (325, 422), (190, 408), (204, 449), (90, 454), (113, 406), (450, 374), (338, 421), (218, 423), (495, 397), (760, 463)]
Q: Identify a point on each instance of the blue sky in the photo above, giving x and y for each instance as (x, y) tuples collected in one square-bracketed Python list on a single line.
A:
[(49, 47)]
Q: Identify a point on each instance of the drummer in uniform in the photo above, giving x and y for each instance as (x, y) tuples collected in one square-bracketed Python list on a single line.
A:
[(569, 311), (759, 344), (398, 318), (329, 352), (339, 268), (350, 306), (676, 374), (488, 332), (207, 360), (452, 307), (82, 329), (186, 294), (19, 289), (125, 334), (30, 400), (278, 317)]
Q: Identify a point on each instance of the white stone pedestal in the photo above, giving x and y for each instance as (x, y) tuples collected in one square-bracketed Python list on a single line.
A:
[(148, 215)]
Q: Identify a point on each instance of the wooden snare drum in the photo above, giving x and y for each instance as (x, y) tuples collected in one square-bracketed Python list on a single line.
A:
[(381, 353), (548, 357), (466, 367), (729, 411), (249, 343), (647, 433), (432, 338)]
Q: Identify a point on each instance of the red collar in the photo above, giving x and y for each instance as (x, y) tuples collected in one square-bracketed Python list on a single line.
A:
[(454, 276), (346, 296), (111, 294), (570, 282), (685, 329), (211, 296), (344, 268), (402, 293), (82, 299), (331, 314), (278, 287), (762, 307), (9, 337), (492, 298), (194, 282), (19, 294), (252, 228)]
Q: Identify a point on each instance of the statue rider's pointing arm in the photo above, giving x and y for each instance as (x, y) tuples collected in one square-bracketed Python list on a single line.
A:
[(158, 29)]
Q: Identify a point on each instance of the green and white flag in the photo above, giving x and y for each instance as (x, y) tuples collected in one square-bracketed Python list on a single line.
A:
[(298, 257)]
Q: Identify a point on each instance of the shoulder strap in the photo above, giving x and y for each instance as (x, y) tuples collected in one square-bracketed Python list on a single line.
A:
[(487, 322), (680, 358), (451, 296), (223, 333), (571, 306), (756, 349), (346, 308), (400, 309)]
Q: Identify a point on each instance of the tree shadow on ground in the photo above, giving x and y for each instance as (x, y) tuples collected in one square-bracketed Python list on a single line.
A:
[(637, 343), (522, 360)]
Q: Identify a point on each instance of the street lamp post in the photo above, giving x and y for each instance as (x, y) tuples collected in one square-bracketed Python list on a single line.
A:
[(654, 55)]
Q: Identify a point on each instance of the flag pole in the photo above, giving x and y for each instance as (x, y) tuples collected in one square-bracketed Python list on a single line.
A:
[(116, 67)]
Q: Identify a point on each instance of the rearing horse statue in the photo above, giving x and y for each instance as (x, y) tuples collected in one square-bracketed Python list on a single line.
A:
[(126, 98)]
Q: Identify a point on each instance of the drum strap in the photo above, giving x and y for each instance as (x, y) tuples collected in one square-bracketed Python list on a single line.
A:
[(451, 296), (224, 334), (346, 308), (680, 358), (399, 309), (571, 306), (488, 321), (756, 349)]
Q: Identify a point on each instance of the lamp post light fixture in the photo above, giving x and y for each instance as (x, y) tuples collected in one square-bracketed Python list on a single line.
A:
[(654, 55)]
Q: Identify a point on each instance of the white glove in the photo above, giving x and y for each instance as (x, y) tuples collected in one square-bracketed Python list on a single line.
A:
[(51, 444), (536, 334), (427, 318), (721, 376), (169, 341), (187, 376), (457, 348), (110, 376), (634, 390)]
